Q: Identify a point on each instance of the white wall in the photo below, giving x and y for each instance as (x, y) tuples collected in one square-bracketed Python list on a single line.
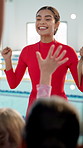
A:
[(19, 12)]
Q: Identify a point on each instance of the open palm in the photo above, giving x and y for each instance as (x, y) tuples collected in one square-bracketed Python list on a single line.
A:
[(52, 61)]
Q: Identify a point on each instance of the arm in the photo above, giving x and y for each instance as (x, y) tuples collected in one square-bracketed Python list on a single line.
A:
[(47, 67), (13, 77), (80, 66), (73, 66)]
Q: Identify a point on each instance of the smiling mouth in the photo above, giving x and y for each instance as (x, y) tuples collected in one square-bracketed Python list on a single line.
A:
[(42, 28)]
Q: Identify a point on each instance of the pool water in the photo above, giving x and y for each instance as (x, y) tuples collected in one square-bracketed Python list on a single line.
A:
[(18, 98)]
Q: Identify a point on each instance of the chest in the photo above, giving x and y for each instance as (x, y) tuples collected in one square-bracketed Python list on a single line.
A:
[(33, 66)]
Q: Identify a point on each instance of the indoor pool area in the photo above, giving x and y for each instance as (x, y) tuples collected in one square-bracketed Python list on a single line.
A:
[(18, 98), (43, 27)]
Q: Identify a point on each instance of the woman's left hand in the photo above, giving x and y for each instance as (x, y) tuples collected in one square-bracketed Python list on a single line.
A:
[(80, 66), (81, 52)]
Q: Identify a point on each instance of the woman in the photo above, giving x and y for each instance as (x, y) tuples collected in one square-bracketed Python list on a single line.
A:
[(47, 23)]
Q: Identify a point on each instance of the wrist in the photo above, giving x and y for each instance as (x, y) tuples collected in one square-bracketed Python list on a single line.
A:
[(43, 90), (7, 60), (45, 78), (8, 64)]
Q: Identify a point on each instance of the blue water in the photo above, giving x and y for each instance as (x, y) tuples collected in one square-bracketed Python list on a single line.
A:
[(18, 98)]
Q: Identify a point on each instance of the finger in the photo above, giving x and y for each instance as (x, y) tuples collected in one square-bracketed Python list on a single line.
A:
[(39, 57), (50, 51), (57, 51), (61, 56), (6, 50), (81, 48), (63, 61), (81, 52)]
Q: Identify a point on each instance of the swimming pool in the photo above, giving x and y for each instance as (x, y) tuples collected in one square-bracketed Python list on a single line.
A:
[(18, 98)]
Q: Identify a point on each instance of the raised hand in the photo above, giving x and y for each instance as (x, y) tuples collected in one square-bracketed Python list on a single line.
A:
[(81, 52), (80, 66), (6, 53), (50, 64), (52, 61)]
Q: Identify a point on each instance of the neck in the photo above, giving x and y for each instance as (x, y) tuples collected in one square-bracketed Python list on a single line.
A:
[(47, 39)]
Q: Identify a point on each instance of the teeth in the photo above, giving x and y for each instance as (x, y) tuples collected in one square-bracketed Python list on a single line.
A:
[(42, 27)]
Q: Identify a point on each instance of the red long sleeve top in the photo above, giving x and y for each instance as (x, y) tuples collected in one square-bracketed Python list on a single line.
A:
[(28, 59)]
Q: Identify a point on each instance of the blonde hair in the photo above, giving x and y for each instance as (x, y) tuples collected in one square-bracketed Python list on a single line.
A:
[(11, 127)]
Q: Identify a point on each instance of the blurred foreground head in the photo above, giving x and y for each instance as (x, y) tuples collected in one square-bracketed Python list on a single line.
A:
[(1, 17), (11, 128), (52, 123)]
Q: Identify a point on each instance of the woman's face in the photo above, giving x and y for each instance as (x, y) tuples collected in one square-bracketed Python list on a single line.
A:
[(45, 23)]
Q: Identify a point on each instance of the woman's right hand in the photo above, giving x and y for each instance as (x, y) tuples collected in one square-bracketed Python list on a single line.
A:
[(6, 53)]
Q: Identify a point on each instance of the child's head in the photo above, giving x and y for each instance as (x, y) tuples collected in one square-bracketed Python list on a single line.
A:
[(11, 128), (52, 122)]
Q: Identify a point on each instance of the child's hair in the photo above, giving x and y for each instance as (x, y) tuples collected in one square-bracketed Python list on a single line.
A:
[(54, 12), (52, 122), (11, 128)]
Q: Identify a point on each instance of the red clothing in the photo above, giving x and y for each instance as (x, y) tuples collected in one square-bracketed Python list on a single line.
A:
[(28, 59)]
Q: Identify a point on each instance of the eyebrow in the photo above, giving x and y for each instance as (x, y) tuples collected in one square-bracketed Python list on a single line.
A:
[(45, 16)]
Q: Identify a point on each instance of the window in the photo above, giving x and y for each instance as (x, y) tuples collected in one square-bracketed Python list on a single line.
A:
[(33, 37)]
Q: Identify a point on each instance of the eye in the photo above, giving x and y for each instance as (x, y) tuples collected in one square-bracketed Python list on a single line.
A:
[(38, 19), (48, 19)]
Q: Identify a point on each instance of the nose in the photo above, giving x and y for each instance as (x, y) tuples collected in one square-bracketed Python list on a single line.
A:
[(42, 21)]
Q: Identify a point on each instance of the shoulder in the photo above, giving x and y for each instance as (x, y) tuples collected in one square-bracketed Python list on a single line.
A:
[(70, 50), (30, 46), (29, 49), (67, 47)]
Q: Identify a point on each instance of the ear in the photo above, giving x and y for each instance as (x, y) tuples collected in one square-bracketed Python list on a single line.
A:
[(57, 25)]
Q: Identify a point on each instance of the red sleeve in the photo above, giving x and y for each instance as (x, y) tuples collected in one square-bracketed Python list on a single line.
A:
[(14, 77), (73, 68)]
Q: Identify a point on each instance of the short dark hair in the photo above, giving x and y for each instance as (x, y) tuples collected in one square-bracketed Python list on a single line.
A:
[(52, 123)]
